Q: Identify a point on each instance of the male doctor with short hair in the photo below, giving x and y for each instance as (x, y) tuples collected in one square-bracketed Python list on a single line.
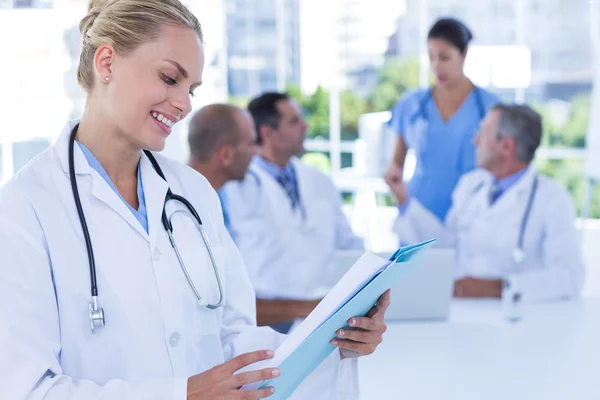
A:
[(286, 217), (510, 225)]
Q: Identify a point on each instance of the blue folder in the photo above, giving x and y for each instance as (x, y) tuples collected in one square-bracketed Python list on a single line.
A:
[(317, 347)]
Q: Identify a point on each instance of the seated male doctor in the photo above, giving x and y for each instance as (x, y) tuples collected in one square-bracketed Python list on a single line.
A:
[(286, 217), (510, 225)]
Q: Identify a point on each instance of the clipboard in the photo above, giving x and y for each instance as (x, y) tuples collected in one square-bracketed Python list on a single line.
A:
[(296, 365)]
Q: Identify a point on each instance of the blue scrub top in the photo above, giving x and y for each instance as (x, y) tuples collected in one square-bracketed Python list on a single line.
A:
[(141, 214), (444, 150)]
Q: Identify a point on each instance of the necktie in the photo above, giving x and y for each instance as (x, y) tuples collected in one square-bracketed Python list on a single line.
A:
[(223, 199), (495, 192), (287, 185)]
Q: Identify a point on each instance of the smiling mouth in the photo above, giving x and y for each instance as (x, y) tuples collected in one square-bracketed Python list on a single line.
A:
[(161, 118)]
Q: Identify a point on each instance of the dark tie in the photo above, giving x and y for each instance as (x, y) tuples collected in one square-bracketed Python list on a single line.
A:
[(287, 185), (495, 192)]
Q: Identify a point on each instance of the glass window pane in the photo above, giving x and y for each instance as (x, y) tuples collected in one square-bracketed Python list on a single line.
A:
[(23, 152), (26, 3)]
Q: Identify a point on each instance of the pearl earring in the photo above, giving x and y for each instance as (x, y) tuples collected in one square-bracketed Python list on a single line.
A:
[(106, 78)]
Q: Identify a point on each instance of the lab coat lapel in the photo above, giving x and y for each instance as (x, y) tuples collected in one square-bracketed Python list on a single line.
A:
[(100, 188), (272, 187), (103, 192), (511, 200), (281, 210), (62, 149), (155, 190)]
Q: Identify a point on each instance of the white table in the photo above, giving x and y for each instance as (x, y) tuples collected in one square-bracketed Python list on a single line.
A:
[(552, 353)]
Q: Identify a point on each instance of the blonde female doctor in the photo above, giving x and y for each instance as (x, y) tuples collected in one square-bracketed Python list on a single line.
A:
[(119, 280)]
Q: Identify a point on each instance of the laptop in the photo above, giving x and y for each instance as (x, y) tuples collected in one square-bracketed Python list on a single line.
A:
[(423, 294)]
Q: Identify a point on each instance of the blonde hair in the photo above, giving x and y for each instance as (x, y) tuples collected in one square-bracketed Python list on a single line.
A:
[(125, 25)]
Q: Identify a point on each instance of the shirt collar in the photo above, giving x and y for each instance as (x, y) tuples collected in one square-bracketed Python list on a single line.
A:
[(275, 170), (95, 164), (506, 182)]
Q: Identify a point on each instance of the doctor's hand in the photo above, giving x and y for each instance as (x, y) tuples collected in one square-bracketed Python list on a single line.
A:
[(394, 180), (477, 288), (220, 383), (365, 333), (393, 173)]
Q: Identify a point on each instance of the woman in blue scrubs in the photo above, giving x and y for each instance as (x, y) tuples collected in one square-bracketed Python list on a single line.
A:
[(439, 123)]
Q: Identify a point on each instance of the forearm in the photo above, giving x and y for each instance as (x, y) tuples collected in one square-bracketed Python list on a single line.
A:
[(270, 312), (399, 153)]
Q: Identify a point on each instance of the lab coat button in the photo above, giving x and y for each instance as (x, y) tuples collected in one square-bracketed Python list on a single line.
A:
[(174, 339), (157, 255)]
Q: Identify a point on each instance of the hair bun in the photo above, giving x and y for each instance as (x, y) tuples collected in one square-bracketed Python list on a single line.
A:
[(95, 7), (100, 4), (466, 32)]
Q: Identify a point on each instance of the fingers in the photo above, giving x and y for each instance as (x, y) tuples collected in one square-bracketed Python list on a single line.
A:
[(392, 174), (367, 324), (366, 333), (385, 298), (361, 336), (360, 348), (246, 378), (393, 177), (389, 179), (244, 360), (458, 290), (474, 288), (363, 340), (465, 288), (381, 307), (255, 394)]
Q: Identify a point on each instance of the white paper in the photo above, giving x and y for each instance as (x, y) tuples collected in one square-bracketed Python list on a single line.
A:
[(361, 272)]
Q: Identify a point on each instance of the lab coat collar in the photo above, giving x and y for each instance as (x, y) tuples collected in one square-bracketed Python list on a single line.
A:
[(155, 188), (275, 190), (517, 192), (82, 167), (256, 168)]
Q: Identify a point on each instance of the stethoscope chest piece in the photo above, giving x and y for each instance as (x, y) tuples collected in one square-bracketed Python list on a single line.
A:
[(518, 255), (96, 315)]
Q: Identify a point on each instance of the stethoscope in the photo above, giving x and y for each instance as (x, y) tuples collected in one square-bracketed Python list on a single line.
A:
[(96, 312), (306, 226), (422, 110), (518, 254), (419, 121)]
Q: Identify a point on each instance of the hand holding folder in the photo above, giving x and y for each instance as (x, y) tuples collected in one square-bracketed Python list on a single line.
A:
[(353, 296)]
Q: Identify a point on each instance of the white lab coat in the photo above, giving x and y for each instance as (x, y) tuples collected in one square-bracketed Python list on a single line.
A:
[(485, 236), (289, 256), (156, 335)]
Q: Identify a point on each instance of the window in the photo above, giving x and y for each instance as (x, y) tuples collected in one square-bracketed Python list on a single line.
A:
[(23, 152), (26, 3), (266, 25)]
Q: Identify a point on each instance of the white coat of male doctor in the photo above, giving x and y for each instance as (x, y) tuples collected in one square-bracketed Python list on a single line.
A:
[(287, 239), (511, 226)]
